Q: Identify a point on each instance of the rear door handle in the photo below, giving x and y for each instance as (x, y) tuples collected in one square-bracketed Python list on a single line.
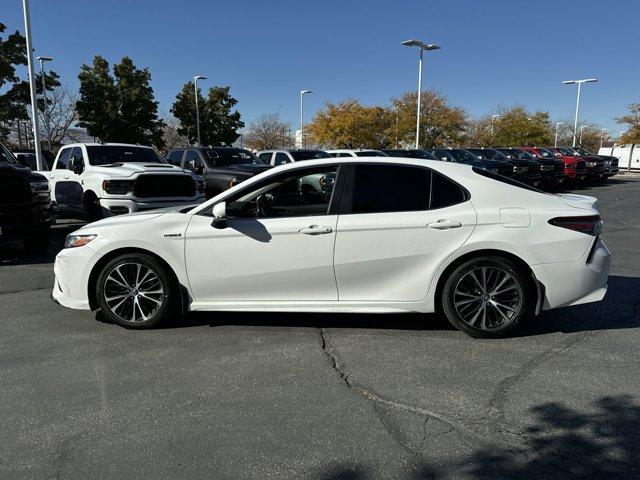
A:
[(315, 230), (444, 224)]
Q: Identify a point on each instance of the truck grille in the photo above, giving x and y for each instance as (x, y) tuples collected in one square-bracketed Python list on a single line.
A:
[(14, 189), (534, 168), (559, 167), (148, 186), (581, 166)]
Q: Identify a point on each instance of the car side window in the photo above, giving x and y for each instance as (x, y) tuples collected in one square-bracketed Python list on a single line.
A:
[(63, 158), (281, 158), (390, 188), (445, 192), (265, 157), (293, 194), (77, 154), (175, 157), (192, 161)]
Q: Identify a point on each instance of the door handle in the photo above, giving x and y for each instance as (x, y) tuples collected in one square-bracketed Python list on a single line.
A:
[(444, 224), (315, 230)]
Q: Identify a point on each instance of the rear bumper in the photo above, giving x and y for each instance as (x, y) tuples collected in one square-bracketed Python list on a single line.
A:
[(574, 283)]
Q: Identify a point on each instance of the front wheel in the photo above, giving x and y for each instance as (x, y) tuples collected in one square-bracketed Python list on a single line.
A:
[(488, 297), (136, 291)]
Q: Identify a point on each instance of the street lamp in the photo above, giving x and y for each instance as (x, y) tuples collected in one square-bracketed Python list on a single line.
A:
[(32, 83), (423, 46), (579, 83), (302, 139), (581, 131), (555, 142), (195, 87), (47, 120), (493, 117), (603, 133)]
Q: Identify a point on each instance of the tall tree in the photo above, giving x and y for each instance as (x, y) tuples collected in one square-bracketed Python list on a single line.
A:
[(269, 131), (517, 127), (441, 124), (632, 135), (479, 132), (349, 124), (219, 123), (119, 108)]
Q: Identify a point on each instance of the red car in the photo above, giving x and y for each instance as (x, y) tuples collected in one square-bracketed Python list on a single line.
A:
[(575, 168)]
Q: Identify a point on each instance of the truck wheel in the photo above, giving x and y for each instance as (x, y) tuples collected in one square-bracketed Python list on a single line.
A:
[(39, 244), (136, 291), (92, 207)]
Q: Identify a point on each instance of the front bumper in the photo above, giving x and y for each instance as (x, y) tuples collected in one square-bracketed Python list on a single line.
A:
[(121, 206), (71, 268), (574, 283)]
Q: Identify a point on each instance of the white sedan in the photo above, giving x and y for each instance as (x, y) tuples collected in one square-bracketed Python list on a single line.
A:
[(383, 235)]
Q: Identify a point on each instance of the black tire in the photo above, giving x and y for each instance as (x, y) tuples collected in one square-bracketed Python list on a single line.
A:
[(38, 244), (152, 308), (495, 310), (92, 208)]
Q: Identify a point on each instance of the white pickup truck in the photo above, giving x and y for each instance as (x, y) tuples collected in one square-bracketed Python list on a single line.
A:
[(94, 180)]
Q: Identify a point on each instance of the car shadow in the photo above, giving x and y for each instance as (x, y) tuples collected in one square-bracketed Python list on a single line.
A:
[(619, 309)]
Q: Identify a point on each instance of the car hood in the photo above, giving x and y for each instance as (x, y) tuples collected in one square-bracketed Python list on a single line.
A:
[(139, 216), (129, 169), (583, 202)]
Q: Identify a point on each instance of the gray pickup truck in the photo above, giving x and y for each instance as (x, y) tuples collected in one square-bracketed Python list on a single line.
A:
[(221, 167)]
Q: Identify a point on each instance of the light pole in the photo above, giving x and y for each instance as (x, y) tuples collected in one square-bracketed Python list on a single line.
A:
[(47, 120), (195, 87), (603, 133), (32, 84), (581, 131), (493, 117), (423, 46), (302, 139), (579, 83), (555, 142)]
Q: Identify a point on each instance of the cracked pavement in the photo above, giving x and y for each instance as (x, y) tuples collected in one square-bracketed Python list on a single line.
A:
[(322, 396)]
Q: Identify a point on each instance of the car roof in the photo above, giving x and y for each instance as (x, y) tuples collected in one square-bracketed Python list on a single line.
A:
[(105, 145)]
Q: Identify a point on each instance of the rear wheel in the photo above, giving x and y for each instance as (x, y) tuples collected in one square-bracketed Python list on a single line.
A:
[(488, 297), (136, 291)]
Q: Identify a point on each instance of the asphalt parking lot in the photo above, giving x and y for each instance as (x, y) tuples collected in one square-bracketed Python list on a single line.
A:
[(290, 396)]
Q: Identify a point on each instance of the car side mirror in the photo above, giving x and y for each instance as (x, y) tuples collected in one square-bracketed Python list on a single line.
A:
[(219, 215)]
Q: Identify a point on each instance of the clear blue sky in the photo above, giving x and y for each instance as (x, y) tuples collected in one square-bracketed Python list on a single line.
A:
[(495, 52)]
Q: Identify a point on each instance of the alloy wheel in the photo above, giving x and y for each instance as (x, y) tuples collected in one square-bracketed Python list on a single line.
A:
[(488, 298), (133, 292)]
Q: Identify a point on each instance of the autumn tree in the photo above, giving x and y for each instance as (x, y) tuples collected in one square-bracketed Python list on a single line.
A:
[(441, 124), (632, 135), (517, 127), (349, 124), (119, 107), (269, 131), (219, 122), (479, 132)]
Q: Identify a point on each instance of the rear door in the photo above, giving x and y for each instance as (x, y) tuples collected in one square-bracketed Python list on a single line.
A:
[(397, 223)]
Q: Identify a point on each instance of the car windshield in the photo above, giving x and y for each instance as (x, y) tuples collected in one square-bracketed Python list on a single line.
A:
[(308, 154), (110, 154), (490, 154), (370, 153), (568, 151), (231, 156), (582, 151), (521, 154), (464, 156), (421, 154), (6, 155), (546, 153)]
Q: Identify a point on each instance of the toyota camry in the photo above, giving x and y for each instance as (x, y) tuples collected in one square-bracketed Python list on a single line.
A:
[(369, 235)]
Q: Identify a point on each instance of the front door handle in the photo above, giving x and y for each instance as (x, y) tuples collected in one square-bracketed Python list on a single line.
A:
[(444, 224), (315, 230)]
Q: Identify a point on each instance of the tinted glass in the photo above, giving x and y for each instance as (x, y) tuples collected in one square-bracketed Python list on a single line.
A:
[(370, 153), (281, 158), (308, 154), (109, 154), (192, 160), (390, 188), (295, 194), (28, 160), (175, 157), (230, 156), (445, 192), (6, 155), (265, 157), (63, 158)]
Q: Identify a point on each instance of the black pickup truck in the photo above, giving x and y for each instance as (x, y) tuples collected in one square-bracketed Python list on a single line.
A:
[(25, 204), (221, 167)]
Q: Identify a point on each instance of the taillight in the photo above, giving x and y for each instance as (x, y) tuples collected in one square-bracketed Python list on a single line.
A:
[(591, 225)]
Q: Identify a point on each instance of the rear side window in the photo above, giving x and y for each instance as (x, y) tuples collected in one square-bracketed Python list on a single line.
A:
[(445, 192), (507, 180), (390, 188)]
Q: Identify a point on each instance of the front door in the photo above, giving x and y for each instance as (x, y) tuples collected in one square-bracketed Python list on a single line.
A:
[(68, 191), (277, 245), (397, 225)]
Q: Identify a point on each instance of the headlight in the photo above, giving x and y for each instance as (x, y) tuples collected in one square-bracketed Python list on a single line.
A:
[(73, 241), (591, 164), (118, 187)]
